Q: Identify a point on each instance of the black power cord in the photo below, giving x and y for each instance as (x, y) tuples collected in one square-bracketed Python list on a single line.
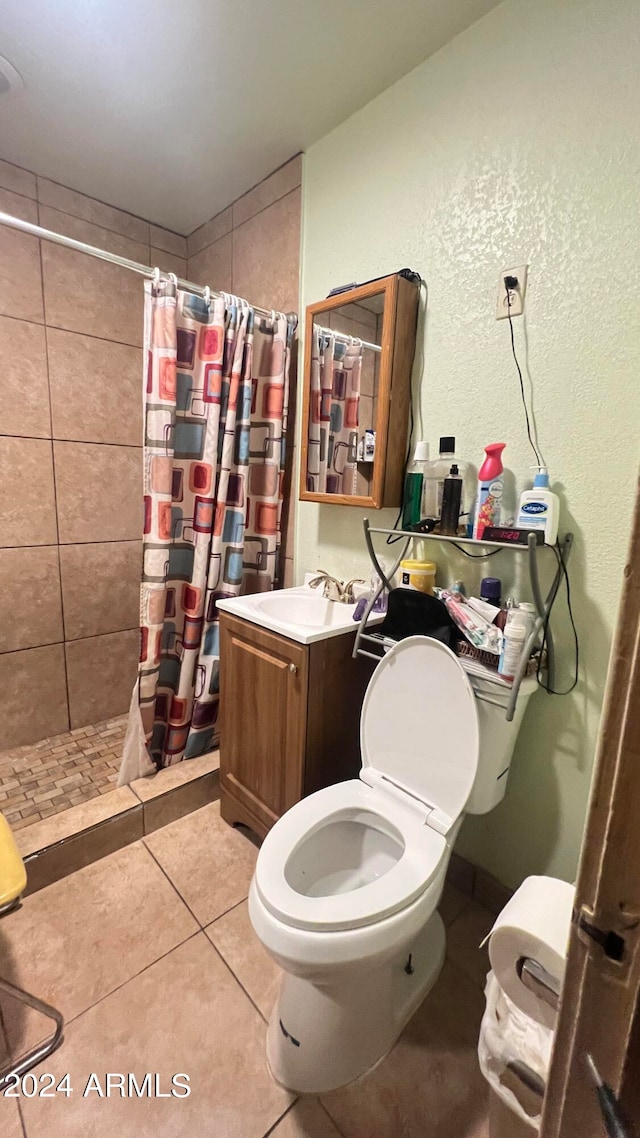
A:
[(562, 570), (511, 283)]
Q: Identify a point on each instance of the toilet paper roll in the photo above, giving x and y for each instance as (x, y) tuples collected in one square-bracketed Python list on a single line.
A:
[(535, 923)]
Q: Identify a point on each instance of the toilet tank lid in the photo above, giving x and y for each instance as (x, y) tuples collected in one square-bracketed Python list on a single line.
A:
[(419, 727)]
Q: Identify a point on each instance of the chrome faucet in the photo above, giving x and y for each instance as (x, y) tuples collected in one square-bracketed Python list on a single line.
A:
[(333, 589)]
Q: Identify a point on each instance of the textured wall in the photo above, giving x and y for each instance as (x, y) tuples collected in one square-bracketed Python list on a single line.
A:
[(515, 143), (70, 458)]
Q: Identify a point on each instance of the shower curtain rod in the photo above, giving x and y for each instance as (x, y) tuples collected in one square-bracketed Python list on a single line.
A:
[(345, 336), (104, 255)]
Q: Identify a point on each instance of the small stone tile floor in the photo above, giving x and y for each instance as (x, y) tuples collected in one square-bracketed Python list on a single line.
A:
[(41, 779), (150, 955)]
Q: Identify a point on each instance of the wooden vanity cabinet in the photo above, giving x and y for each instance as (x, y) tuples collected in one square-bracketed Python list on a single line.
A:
[(290, 719)]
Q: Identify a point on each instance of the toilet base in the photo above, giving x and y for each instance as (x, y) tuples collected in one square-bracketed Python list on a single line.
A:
[(325, 1034)]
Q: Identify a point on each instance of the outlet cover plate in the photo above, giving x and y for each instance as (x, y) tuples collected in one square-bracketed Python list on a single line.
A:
[(516, 295)]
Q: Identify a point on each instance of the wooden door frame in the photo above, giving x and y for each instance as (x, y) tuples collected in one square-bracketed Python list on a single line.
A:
[(600, 1005)]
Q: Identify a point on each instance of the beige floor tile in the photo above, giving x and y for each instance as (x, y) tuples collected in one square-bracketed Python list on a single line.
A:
[(24, 393), (236, 941), (452, 902), (30, 608), (306, 1119), (74, 820), (210, 864), (11, 1125), (100, 377), (169, 778), (82, 937), (429, 1085), (464, 938), (184, 1014)]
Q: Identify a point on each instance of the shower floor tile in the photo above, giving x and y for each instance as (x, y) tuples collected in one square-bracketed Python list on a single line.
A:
[(43, 778)]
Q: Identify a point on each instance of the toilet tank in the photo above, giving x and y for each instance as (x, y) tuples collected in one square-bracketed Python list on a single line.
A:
[(497, 741)]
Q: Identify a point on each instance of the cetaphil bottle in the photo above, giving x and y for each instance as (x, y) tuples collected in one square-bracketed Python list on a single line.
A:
[(540, 508)]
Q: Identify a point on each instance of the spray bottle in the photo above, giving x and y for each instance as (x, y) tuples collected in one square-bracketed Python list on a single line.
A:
[(490, 487)]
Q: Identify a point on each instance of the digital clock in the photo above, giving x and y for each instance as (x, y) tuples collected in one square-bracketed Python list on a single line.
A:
[(511, 535)]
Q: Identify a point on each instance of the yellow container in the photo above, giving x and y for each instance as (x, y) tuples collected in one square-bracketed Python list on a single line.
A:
[(13, 875), (419, 575)]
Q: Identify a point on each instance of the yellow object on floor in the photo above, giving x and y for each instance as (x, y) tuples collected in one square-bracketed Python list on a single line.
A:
[(13, 875)]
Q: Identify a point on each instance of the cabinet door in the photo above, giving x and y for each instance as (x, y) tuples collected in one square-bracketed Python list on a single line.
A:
[(263, 702)]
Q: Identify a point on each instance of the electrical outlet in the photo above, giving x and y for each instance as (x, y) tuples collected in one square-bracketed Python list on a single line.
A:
[(516, 295)]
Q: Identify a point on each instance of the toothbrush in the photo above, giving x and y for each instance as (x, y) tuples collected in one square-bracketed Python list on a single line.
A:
[(613, 1121)]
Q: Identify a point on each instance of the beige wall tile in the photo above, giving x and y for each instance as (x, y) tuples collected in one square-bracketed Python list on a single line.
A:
[(168, 262), (100, 587), (101, 671), (99, 492), (16, 179), (24, 391), (160, 238), (281, 182), (18, 206), (30, 608), (90, 296), (34, 695), (96, 389), (92, 234), (27, 506), (20, 275), (211, 231), (266, 252), (213, 265), (89, 209)]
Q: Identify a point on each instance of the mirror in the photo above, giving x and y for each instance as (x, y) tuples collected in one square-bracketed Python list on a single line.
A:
[(359, 348)]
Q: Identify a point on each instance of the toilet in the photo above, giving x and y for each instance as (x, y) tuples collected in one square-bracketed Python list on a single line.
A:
[(348, 881)]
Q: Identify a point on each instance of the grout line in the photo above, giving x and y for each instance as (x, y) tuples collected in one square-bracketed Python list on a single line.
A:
[(79, 442), (172, 884), (234, 228), (50, 545), (70, 640), (330, 1117), (277, 1122), (238, 982), (72, 331)]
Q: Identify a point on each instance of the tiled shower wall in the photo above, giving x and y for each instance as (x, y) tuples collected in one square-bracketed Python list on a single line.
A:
[(70, 430), (70, 458), (252, 249)]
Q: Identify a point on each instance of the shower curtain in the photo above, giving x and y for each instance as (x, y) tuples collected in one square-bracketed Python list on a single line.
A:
[(333, 415), (215, 425)]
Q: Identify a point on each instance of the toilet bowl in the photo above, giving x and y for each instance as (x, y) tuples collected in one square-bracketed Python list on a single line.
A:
[(347, 882)]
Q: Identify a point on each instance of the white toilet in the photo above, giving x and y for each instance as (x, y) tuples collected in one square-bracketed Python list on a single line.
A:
[(347, 882)]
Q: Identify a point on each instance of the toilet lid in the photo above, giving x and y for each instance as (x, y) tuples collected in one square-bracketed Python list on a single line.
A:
[(419, 728)]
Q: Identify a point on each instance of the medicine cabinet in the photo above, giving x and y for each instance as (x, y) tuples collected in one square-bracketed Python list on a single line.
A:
[(359, 349)]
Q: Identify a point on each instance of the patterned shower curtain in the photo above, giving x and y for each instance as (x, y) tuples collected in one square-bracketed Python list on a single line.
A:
[(215, 426), (333, 415)]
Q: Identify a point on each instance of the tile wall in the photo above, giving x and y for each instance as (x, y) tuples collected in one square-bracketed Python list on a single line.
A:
[(70, 458), (70, 430), (252, 249)]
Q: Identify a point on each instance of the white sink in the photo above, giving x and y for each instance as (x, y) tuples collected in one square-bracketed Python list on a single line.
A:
[(301, 614)]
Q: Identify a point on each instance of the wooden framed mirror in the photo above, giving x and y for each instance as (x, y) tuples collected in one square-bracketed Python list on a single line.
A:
[(359, 348)]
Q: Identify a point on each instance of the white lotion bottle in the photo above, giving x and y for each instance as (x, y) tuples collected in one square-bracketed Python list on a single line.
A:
[(540, 508), (514, 635)]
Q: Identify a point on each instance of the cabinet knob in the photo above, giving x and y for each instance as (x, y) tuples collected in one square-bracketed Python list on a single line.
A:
[(292, 668)]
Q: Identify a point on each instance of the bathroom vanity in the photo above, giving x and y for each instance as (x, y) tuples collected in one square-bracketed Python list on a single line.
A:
[(290, 710)]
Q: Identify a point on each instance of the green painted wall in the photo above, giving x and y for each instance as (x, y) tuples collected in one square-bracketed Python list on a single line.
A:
[(518, 142)]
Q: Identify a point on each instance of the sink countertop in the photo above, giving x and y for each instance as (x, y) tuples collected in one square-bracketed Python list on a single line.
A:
[(300, 614)]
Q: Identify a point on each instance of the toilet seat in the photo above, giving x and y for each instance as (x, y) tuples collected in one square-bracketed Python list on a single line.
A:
[(417, 865), (420, 745)]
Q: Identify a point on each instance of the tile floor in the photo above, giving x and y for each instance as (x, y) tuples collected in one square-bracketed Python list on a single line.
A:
[(41, 779), (150, 956)]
